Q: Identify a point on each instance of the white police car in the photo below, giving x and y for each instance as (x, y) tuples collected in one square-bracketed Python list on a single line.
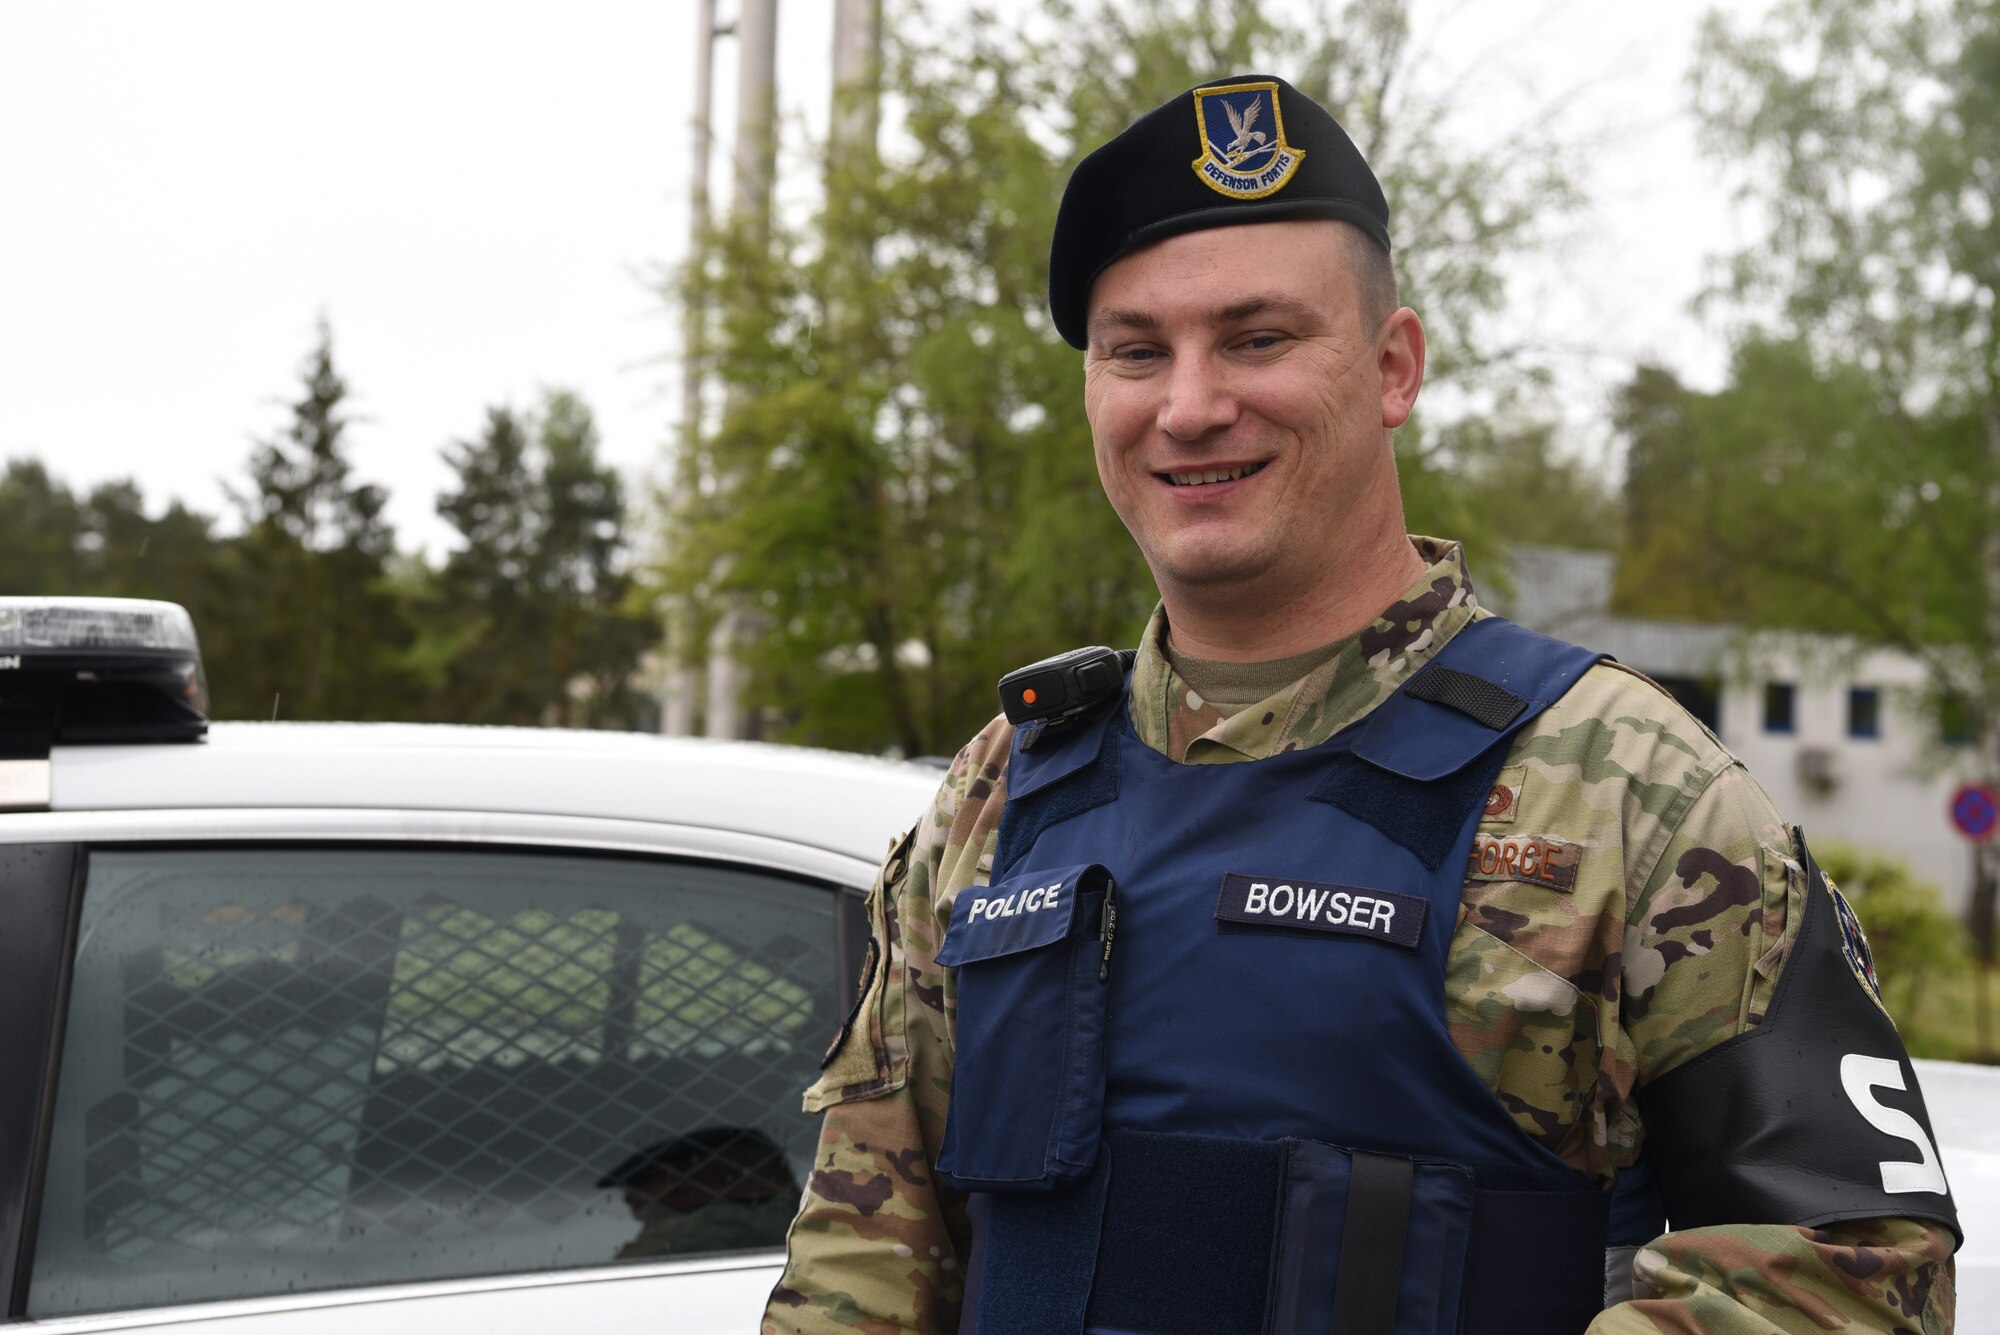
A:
[(427, 1027)]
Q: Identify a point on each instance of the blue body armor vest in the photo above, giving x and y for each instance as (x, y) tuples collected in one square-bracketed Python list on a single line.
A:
[(1203, 1078)]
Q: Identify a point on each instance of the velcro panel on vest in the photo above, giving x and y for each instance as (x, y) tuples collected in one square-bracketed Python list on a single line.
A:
[(1812, 1117), (1038, 1254), (1537, 1261), (1060, 781), (1189, 1227), (1424, 817)]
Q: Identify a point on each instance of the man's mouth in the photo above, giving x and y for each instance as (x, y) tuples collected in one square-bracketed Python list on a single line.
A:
[(1203, 477)]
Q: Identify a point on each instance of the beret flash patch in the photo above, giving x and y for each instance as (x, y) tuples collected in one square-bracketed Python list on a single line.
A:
[(1243, 150)]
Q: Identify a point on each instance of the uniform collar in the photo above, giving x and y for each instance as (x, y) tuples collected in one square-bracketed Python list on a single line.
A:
[(1365, 671)]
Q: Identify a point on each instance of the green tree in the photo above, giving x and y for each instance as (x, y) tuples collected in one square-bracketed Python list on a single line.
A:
[(537, 614), (175, 555), (44, 525), (902, 484), (602, 623), (488, 643), (322, 634), (1849, 475), (105, 544)]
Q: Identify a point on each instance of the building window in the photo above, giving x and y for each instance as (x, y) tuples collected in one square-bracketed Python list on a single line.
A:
[(1780, 697), (1864, 711), (1698, 697)]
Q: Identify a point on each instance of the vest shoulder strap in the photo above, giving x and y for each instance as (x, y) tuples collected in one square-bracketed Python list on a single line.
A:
[(1491, 680), (1423, 761)]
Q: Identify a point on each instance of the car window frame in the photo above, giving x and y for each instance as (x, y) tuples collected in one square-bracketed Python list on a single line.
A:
[(36, 972)]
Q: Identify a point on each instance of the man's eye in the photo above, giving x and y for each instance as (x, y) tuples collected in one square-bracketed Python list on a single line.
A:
[(1260, 342), (1134, 356)]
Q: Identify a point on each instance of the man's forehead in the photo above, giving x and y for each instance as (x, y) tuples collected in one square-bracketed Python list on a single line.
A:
[(1223, 275), (1155, 315)]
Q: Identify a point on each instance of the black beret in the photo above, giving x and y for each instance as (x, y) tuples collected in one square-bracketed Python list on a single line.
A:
[(1217, 155)]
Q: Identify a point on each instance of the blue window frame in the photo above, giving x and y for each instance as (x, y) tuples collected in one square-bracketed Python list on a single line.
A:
[(1780, 707), (1864, 711)]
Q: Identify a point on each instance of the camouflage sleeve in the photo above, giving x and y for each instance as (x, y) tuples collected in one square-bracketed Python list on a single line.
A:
[(1704, 946), (879, 1241)]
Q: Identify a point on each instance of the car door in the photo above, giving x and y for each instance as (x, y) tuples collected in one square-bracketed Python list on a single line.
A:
[(450, 1067)]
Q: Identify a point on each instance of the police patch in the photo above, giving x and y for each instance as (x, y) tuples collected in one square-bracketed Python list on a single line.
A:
[(1854, 944), (1288, 904), (1243, 150)]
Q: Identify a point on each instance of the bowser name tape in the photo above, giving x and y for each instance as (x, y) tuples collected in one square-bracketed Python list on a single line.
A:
[(1284, 903)]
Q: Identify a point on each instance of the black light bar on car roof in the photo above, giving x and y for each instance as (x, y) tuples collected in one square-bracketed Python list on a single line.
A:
[(90, 670)]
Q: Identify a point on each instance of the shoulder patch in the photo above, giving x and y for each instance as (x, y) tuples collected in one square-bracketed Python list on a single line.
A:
[(1854, 945)]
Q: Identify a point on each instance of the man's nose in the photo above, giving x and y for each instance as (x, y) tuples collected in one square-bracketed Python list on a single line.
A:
[(1199, 400)]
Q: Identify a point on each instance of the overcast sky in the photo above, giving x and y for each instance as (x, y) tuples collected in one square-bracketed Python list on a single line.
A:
[(480, 198)]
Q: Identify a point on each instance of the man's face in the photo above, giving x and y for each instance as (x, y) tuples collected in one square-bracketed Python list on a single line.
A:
[(1237, 353)]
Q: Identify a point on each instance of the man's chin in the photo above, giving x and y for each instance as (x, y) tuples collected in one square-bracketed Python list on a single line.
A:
[(1213, 574)]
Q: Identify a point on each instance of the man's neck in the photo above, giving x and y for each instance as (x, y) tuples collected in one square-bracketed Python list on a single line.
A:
[(1240, 625)]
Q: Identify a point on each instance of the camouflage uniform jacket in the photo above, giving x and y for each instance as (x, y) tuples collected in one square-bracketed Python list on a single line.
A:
[(1682, 894)]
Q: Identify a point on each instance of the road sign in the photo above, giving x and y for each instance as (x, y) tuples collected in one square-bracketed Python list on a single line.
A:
[(1975, 810)]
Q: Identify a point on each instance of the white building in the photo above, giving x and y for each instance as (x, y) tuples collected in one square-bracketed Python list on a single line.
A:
[(1839, 733)]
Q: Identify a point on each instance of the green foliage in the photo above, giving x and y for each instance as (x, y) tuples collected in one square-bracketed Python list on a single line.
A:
[(1507, 481), (1922, 953), (534, 619), (1796, 496), (320, 633), (1849, 476), (310, 609), (901, 486), (1866, 134)]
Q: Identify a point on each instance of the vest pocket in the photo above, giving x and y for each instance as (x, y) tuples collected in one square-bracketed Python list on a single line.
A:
[(1027, 1091)]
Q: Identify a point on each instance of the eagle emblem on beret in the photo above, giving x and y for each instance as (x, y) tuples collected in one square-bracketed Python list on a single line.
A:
[(1243, 150)]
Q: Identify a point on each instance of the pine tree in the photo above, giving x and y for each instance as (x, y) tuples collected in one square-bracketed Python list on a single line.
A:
[(325, 634)]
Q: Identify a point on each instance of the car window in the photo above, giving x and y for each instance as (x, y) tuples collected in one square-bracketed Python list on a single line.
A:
[(296, 1068)]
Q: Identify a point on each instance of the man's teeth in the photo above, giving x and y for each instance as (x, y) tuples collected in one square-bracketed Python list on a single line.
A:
[(1212, 475)]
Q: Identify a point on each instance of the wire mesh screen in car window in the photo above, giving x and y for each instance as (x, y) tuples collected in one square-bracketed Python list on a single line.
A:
[(291, 1069)]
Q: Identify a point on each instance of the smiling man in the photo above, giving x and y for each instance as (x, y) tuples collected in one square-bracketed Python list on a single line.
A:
[(1393, 970)]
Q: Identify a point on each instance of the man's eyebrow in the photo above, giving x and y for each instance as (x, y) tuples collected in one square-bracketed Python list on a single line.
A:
[(1267, 303), (1124, 319)]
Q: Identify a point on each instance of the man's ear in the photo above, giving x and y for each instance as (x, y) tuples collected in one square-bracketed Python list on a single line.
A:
[(1399, 354)]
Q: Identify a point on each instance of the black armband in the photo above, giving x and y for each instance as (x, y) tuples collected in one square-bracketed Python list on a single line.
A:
[(1812, 1117)]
